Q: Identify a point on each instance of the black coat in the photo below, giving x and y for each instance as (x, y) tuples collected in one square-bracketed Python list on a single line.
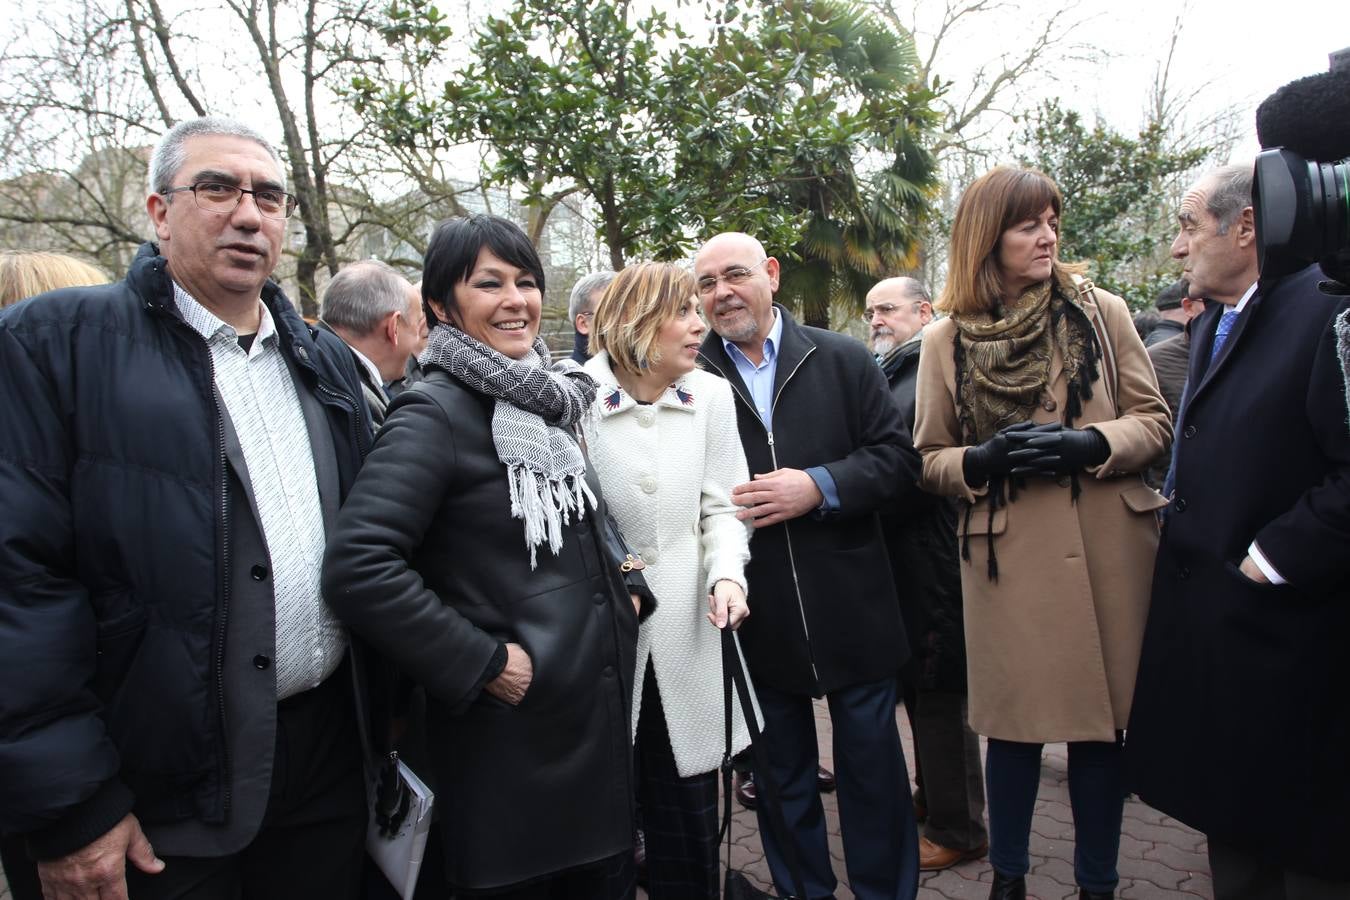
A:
[(824, 576), (925, 558), (429, 566), (1240, 724), (115, 544)]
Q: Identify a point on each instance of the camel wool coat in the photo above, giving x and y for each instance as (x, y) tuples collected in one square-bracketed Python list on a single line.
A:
[(1052, 646)]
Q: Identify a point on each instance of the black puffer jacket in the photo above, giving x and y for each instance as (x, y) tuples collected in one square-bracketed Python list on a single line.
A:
[(115, 550), (921, 539), (429, 566)]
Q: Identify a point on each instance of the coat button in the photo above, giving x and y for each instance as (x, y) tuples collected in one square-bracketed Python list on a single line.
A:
[(599, 599), (1189, 431), (645, 419), (649, 485), (1179, 505), (261, 662), (258, 572), (1048, 403)]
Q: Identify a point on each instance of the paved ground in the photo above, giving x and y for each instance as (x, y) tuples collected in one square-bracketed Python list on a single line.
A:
[(1160, 859)]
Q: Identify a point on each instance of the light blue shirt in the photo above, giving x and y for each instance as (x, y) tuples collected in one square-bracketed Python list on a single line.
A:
[(759, 380)]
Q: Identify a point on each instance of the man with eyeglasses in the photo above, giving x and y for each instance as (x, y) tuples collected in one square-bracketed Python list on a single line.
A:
[(827, 452), (581, 305), (925, 561), (176, 703)]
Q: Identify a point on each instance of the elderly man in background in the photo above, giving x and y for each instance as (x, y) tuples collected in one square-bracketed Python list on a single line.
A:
[(176, 704), (379, 316), (827, 452), (925, 562), (1175, 308), (1170, 358), (1243, 659), (581, 306)]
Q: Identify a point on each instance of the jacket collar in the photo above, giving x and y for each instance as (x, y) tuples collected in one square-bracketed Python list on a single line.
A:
[(893, 361), (795, 346), (614, 399), (149, 277)]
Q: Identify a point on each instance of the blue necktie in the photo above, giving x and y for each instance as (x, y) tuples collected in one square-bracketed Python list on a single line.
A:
[(1221, 332)]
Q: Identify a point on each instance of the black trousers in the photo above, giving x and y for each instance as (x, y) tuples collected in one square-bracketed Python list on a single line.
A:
[(947, 768), (679, 815), (876, 813), (312, 840)]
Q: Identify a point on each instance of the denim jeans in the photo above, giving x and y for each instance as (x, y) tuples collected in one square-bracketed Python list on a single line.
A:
[(1096, 794)]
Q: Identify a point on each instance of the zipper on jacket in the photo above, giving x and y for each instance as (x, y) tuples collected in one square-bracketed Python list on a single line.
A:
[(358, 432), (227, 775), (787, 532), (226, 768)]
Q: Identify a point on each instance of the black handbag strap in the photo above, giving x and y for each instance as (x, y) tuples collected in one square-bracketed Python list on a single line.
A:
[(733, 675)]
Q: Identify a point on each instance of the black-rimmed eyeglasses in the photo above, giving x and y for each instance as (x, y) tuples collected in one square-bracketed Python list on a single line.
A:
[(213, 196)]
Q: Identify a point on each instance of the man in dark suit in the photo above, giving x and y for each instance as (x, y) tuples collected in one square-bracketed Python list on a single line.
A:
[(379, 316), (176, 703), (1239, 724), (827, 452)]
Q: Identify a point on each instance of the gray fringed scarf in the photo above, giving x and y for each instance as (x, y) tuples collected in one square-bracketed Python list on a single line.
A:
[(1343, 346), (535, 405)]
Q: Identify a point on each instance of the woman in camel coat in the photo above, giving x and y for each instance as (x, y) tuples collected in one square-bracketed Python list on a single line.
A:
[(1038, 407)]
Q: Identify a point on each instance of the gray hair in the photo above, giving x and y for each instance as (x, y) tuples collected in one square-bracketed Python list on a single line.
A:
[(1230, 193), (582, 290), (359, 297), (914, 287), (169, 155)]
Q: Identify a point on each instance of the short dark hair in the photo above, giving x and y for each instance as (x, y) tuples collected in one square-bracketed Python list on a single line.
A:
[(453, 252), (1171, 296)]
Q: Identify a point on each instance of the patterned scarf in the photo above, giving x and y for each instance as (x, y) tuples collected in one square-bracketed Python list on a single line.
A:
[(536, 405), (1003, 359)]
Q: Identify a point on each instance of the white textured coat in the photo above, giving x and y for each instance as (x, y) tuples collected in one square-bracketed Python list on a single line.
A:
[(667, 470)]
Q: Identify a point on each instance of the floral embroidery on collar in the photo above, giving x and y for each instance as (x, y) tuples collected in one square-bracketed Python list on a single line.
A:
[(685, 397)]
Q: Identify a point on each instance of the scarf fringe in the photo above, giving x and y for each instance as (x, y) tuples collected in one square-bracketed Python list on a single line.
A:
[(545, 505)]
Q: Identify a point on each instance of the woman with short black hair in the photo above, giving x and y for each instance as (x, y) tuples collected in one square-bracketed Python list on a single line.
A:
[(473, 552)]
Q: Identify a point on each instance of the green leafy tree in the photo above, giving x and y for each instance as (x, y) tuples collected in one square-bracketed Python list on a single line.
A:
[(797, 121), (1112, 196)]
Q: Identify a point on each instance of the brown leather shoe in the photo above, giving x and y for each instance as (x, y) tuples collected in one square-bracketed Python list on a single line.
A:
[(933, 857)]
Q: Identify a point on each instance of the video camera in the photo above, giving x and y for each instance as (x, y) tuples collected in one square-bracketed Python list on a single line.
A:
[(1301, 191)]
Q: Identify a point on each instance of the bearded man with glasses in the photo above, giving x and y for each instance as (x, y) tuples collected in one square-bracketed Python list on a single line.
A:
[(176, 700)]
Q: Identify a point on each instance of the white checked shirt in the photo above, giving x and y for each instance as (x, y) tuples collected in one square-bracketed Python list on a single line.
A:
[(260, 397)]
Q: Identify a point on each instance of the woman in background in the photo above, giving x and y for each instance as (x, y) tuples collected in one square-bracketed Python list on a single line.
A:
[(663, 439)]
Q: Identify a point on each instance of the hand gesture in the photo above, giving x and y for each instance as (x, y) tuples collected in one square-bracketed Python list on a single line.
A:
[(98, 871)]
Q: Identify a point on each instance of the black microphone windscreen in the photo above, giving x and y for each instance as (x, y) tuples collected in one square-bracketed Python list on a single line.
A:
[(1310, 116)]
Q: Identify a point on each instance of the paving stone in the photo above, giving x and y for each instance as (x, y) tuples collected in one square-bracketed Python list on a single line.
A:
[(1199, 883), (1180, 858), (1152, 871), (1165, 835)]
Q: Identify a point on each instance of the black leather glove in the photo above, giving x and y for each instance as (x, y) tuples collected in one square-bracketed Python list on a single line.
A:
[(1055, 450), (984, 461)]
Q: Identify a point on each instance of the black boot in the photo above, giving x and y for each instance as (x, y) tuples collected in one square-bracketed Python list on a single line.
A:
[(1085, 894), (1005, 888)]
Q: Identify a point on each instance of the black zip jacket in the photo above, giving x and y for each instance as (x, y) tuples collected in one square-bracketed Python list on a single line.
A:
[(824, 610), (115, 551)]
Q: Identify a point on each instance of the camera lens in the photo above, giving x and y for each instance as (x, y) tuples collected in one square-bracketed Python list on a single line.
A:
[(1302, 211)]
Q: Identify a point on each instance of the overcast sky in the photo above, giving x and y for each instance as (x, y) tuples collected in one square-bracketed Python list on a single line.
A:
[(1239, 50)]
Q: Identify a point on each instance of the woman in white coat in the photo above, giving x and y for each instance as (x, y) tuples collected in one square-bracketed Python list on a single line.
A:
[(663, 440)]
